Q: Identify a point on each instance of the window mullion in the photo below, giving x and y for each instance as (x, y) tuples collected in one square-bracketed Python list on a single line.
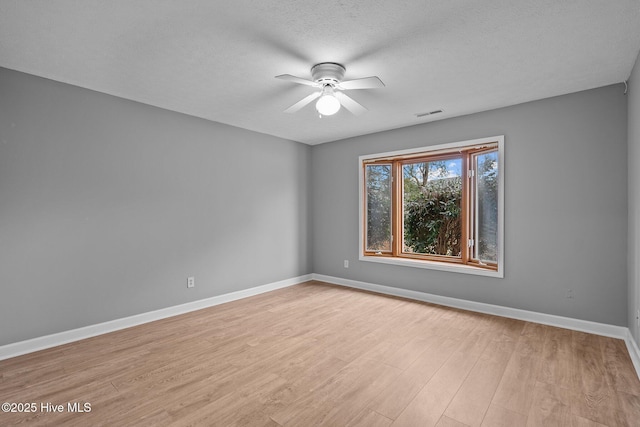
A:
[(465, 206), (397, 208)]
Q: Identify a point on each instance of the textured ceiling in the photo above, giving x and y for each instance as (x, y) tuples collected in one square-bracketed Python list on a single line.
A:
[(217, 59)]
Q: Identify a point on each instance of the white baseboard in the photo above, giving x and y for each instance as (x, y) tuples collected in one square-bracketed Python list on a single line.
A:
[(603, 329), (53, 340), (514, 313), (634, 351)]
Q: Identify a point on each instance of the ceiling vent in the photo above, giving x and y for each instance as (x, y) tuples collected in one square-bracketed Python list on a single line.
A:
[(418, 115)]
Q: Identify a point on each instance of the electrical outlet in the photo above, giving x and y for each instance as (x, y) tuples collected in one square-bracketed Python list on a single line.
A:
[(346, 263), (569, 294), (638, 317), (191, 282)]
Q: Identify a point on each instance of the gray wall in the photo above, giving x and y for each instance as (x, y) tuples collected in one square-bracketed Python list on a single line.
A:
[(634, 199), (107, 205), (565, 206)]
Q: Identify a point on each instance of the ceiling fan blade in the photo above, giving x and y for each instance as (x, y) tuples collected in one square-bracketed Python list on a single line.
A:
[(351, 105), (372, 82), (302, 103), (298, 80)]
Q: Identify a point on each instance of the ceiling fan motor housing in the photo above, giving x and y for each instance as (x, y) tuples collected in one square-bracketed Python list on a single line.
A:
[(327, 73)]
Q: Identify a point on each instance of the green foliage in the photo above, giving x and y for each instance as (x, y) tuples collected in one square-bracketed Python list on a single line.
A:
[(432, 217), (379, 207), (488, 206)]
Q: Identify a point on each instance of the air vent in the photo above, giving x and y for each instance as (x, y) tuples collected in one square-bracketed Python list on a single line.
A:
[(418, 115)]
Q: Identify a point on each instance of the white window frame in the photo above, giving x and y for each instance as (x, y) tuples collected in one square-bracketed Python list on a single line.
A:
[(428, 264)]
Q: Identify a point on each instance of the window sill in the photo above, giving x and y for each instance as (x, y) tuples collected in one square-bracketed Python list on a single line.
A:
[(434, 265)]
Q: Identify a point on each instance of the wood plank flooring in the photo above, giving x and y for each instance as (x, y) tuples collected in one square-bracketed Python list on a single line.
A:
[(318, 354)]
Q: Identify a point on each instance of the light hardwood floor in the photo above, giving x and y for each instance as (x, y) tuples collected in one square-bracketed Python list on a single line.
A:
[(317, 354)]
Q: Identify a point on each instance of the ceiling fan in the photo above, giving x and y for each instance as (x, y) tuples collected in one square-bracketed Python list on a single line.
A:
[(327, 76)]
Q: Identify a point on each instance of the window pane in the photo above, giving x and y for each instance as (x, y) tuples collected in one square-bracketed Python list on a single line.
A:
[(378, 181), (487, 207), (431, 202)]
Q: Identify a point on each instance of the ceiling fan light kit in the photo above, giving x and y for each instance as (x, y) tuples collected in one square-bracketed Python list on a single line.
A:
[(327, 76), (327, 104)]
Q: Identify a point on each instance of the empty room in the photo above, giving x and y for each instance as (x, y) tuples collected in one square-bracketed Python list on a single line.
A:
[(341, 213)]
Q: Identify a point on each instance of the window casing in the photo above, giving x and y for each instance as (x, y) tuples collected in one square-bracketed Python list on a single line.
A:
[(437, 207)]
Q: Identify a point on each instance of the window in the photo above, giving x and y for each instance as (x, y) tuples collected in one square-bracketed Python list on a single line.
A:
[(435, 207)]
